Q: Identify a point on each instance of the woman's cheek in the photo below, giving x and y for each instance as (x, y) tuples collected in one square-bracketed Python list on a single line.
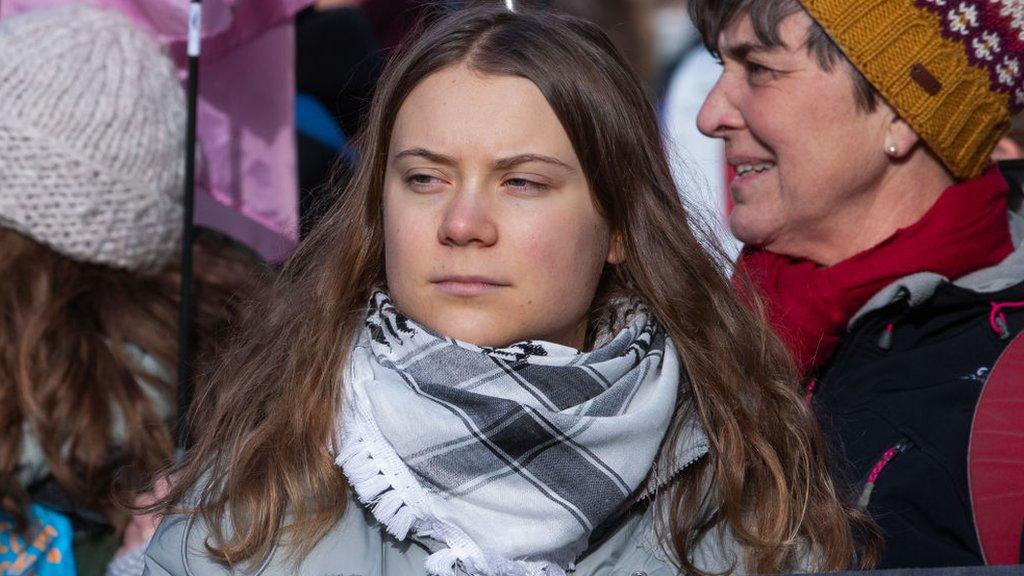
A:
[(407, 246), (566, 263), (543, 267)]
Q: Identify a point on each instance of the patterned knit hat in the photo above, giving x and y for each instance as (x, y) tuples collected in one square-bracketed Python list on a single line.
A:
[(953, 69), (92, 131)]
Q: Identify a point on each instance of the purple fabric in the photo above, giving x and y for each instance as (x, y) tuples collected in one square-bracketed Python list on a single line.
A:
[(248, 176), (992, 33)]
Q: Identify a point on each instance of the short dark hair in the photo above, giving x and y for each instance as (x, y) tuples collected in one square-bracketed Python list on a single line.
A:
[(713, 16), (1017, 129)]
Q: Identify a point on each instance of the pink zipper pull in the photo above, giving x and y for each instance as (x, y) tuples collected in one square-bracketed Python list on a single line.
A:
[(876, 471)]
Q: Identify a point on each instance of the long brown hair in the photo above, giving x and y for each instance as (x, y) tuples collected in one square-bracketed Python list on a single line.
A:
[(69, 379), (265, 450)]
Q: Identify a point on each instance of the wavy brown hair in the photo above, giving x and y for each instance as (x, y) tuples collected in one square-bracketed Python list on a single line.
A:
[(70, 385), (264, 459)]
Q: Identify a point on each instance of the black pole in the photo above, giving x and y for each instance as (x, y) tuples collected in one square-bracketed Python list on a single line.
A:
[(188, 232)]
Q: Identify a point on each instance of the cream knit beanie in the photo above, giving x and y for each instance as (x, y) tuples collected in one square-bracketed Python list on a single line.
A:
[(92, 137)]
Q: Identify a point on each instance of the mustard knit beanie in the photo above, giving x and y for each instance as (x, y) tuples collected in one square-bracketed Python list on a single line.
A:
[(92, 137), (953, 69)]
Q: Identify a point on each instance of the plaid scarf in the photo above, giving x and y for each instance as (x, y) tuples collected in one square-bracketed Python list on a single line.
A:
[(509, 458)]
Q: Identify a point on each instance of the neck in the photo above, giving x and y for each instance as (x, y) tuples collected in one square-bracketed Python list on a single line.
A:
[(903, 195)]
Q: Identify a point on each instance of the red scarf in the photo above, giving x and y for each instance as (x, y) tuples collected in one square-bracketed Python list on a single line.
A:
[(809, 306)]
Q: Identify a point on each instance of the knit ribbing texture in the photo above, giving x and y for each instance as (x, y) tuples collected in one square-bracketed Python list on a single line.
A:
[(950, 68)]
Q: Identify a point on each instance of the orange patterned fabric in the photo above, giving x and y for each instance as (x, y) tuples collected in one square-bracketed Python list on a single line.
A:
[(46, 550)]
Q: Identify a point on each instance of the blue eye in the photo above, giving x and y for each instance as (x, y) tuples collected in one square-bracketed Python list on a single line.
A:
[(423, 182)]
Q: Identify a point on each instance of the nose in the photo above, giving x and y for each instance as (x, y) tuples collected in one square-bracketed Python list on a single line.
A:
[(719, 115), (468, 220)]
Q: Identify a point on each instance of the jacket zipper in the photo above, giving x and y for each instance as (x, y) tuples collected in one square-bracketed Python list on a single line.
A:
[(887, 457), (902, 296)]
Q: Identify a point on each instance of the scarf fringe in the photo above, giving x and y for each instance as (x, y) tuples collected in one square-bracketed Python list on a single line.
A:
[(392, 510), (372, 487)]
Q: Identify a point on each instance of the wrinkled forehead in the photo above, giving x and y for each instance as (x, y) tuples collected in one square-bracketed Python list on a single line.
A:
[(465, 113)]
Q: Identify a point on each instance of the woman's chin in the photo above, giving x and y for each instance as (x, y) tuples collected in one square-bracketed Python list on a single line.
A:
[(749, 228), (482, 330), (498, 326), (476, 339)]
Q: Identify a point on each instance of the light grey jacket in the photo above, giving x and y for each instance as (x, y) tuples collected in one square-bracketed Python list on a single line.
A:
[(358, 546)]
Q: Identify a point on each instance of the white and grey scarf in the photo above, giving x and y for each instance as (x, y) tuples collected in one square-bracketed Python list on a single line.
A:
[(511, 457)]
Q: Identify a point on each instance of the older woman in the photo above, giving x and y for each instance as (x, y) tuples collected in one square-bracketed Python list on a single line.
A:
[(877, 230)]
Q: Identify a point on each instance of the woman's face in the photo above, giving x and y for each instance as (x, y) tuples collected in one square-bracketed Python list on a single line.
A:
[(491, 232), (809, 158)]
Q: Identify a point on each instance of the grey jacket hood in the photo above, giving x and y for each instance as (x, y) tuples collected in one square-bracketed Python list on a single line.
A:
[(921, 286)]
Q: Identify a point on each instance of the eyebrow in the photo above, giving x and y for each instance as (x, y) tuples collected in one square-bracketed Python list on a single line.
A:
[(434, 157), (500, 164), (744, 49)]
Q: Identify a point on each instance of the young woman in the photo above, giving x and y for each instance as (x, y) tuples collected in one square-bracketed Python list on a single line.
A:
[(505, 352)]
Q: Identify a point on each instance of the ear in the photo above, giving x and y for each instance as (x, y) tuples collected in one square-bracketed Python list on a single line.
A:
[(616, 249), (900, 138)]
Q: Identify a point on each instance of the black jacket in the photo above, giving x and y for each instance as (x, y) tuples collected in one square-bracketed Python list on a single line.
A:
[(898, 398)]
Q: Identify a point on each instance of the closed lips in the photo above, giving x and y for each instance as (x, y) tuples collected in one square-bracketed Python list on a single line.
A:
[(469, 280)]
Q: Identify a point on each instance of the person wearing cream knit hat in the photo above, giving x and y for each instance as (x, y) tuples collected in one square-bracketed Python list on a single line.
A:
[(92, 138), (880, 237), (92, 142)]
